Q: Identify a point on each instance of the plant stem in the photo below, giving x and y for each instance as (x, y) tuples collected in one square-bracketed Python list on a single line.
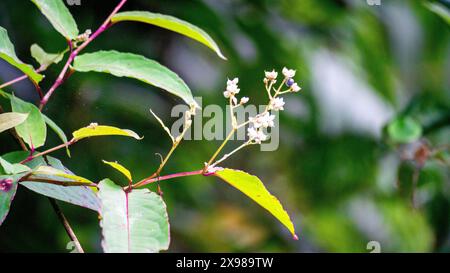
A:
[(166, 177), (175, 144), (220, 149), (20, 78), (231, 153), (73, 54), (61, 146), (66, 224)]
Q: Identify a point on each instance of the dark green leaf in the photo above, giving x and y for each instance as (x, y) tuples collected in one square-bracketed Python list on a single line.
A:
[(134, 66)]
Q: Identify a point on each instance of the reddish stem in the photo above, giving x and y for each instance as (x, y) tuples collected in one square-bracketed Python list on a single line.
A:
[(170, 176), (74, 53)]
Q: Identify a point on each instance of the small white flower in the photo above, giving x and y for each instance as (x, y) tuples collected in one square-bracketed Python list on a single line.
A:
[(256, 135), (232, 88), (288, 73), (234, 81), (271, 75), (265, 120), (277, 104), (244, 100), (268, 120), (295, 88)]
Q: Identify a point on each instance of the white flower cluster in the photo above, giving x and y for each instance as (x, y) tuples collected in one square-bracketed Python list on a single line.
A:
[(266, 119), (232, 90)]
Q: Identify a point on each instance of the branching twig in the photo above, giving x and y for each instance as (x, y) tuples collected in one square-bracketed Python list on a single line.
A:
[(62, 76)]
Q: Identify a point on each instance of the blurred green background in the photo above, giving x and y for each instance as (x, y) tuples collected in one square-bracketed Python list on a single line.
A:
[(341, 177)]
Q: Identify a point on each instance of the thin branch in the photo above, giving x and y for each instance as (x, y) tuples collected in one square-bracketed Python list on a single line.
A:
[(166, 177), (61, 146), (66, 224), (62, 76)]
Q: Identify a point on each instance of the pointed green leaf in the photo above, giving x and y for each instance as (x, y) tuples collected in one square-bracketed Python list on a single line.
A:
[(11, 120), (59, 16), (12, 168), (120, 168), (48, 171), (251, 186), (8, 188), (102, 130), (78, 195), (132, 222), (440, 10), (59, 132), (170, 23), (8, 53), (43, 58), (135, 66), (33, 131)]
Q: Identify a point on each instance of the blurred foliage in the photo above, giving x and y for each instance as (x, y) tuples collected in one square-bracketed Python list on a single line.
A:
[(343, 187)]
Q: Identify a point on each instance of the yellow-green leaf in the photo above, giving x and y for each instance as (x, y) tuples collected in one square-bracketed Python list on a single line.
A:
[(43, 58), (102, 130), (170, 23), (33, 130), (50, 171), (251, 186), (120, 168), (8, 54), (11, 120)]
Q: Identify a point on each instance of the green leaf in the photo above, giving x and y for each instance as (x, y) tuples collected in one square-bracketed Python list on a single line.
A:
[(59, 16), (11, 120), (170, 23), (43, 58), (251, 186), (33, 131), (102, 130), (78, 195), (8, 53), (120, 168), (55, 174), (132, 222), (59, 132), (134, 66), (12, 168), (404, 130), (440, 10), (8, 189)]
